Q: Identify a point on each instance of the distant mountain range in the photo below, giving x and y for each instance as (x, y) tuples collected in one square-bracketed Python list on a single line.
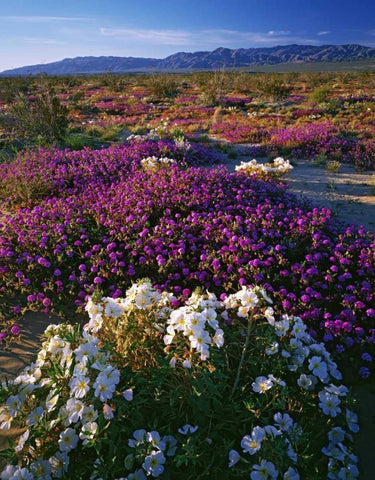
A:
[(219, 58)]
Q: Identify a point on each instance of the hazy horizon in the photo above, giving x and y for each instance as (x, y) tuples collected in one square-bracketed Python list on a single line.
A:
[(42, 31)]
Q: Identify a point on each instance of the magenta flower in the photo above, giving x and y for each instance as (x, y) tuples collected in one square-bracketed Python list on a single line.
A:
[(15, 330)]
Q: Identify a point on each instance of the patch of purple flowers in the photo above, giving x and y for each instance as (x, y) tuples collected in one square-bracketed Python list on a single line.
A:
[(106, 221)]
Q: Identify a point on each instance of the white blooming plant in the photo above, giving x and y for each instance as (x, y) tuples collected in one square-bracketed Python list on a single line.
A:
[(275, 170), (150, 388)]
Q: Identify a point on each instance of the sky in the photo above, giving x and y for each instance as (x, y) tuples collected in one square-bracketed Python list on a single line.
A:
[(43, 31)]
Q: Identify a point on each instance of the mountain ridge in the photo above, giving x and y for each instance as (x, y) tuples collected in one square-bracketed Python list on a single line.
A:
[(219, 58)]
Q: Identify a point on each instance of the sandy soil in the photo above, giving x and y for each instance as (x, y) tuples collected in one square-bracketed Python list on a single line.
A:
[(348, 193), (24, 349), (22, 352)]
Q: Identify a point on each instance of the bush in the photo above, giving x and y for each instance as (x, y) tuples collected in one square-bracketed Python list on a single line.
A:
[(152, 389), (41, 117), (333, 166), (213, 86), (163, 86), (274, 88), (319, 95)]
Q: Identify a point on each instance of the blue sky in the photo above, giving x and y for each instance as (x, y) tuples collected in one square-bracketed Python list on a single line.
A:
[(43, 31)]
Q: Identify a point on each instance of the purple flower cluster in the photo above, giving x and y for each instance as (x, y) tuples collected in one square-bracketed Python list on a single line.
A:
[(191, 99), (235, 101), (114, 107), (306, 137), (295, 99), (108, 221), (363, 154), (256, 150), (240, 133), (305, 141), (47, 172), (357, 98), (308, 141), (305, 112)]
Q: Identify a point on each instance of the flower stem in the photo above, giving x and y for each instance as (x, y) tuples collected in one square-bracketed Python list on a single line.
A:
[(244, 349)]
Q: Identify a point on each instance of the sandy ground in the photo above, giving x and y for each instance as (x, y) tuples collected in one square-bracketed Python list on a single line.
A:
[(23, 352), (347, 193), (349, 196), (24, 349)]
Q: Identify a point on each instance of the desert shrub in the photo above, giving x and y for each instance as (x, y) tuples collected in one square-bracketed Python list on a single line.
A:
[(150, 389), (41, 117), (72, 81), (320, 160), (10, 87), (331, 106), (76, 97), (273, 87), (317, 79), (213, 86), (319, 95), (243, 83), (163, 86), (333, 166), (108, 79)]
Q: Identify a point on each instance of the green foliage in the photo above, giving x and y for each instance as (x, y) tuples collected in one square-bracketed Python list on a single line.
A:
[(77, 97), (372, 183), (105, 134), (112, 134), (331, 106), (273, 87), (134, 384), (77, 141), (317, 79), (333, 166), (213, 86), (319, 95), (41, 117), (163, 86), (320, 160)]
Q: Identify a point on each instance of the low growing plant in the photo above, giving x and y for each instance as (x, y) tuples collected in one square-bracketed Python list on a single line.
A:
[(320, 160), (42, 117), (153, 389), (372, 183), (275, 170), (333, 166), (274, 88), (163, 86), (319, 94)]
